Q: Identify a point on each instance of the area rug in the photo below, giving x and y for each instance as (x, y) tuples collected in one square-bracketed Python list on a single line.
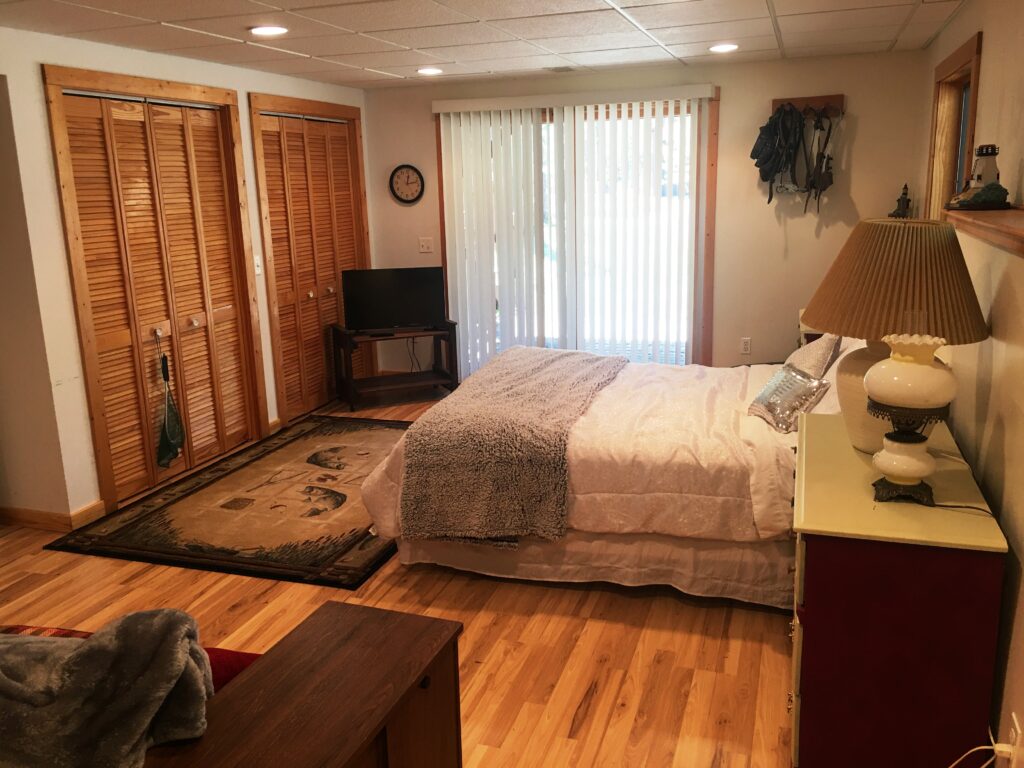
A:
[(288, 507)]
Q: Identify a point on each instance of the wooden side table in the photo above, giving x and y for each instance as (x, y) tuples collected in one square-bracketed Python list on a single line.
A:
[(443, 373), (896, 611), (351, 687)]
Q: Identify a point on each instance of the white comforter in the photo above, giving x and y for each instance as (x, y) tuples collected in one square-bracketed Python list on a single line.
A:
[(662, 449)]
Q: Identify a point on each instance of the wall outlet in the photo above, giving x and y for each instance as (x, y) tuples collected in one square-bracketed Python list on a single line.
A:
[(426, 245), (745, 345), (1017, 740)]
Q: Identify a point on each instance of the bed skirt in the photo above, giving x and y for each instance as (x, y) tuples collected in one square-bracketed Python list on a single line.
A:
[(758, 572)]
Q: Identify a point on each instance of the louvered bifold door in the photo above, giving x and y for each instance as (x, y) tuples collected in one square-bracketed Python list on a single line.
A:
[(314, 213), (345, 207), (148, 276), (150, 187)]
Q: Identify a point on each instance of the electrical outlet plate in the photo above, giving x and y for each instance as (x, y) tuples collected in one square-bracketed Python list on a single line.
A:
[(1017, 740), (745, 345)]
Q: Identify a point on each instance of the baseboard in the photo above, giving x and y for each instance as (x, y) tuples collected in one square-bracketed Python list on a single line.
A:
[(53, 521), (273, 426)]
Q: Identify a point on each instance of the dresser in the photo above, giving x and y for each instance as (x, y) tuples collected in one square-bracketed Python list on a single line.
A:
[(896, 610)]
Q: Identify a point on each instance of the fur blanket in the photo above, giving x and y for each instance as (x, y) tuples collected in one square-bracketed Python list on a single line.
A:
[(101, 702), (488, 463)]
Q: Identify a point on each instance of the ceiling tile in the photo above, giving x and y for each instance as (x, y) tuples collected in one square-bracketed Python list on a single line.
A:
[(293, 5), (936, 12), (867, 17), (736, 57), (836, 50), (350, 76), (234, 53), (586, 23), (916, 36), (606, 42), (698, 12), (762, 43), (486, 51), (622, 56), (333, 45), (839, 36), (388, 59), (238, 26), (386, 14), (449, 69), (174, 10), (151, 37), (58, 18), (513, 9), (296, 65), (787, 7), (717, 31), (447, 34)]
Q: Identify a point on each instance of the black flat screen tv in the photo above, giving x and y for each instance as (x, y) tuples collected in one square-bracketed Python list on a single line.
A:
[(387, 299)]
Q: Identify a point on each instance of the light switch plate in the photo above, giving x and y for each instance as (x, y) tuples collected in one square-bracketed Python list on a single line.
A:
[(426, 245)]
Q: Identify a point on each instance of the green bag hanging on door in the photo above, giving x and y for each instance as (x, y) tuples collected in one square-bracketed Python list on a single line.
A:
[(172, 434)]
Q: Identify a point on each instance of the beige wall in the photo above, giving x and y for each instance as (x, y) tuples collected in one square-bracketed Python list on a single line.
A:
[(989, 411), (61, 391), (769, 259)]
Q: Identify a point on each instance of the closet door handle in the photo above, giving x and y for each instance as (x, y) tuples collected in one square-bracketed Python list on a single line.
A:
[(330, 289), (309, 294), (194, 322)]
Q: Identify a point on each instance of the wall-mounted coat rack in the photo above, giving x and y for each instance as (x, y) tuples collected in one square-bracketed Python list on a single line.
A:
[(834, 105)]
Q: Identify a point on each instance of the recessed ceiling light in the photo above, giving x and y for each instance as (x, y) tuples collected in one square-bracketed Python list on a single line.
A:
[(723, 48), (430, 71), (268, 30)]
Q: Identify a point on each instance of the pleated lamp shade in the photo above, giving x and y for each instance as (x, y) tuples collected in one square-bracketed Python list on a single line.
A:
[(899, 276)]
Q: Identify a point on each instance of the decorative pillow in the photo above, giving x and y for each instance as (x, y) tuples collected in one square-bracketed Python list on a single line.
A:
[(787, 394), (815, 358)]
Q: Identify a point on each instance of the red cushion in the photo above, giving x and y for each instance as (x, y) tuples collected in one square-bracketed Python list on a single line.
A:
[(224, 664)]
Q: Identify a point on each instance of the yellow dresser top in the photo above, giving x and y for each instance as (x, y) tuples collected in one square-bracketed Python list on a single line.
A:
[(834, 496)]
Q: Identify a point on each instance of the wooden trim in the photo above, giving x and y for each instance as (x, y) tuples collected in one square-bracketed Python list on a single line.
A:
[(833, 104), (275, 425), (129, 85), (239, 197), (705, 322), (90, 513), (1002, 229), (267, 102), (952, 73), (37, 518), (83, 305), (440, 208)]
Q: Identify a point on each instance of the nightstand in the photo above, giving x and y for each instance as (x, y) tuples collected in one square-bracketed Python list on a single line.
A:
[(896, 610)]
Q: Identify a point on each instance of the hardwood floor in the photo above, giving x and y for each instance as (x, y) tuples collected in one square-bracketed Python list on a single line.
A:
[(552, 675)]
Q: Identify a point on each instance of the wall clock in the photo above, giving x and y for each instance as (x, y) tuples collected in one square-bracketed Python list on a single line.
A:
[(406, 184)]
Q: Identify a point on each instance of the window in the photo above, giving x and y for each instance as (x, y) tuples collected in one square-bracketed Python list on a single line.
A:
[(577, 227), (954, 109)]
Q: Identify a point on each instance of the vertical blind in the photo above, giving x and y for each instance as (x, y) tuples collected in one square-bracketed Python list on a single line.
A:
[(573, 227)]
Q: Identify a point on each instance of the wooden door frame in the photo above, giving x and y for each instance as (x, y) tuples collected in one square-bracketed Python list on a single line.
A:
[(55, 80), (287, 105)]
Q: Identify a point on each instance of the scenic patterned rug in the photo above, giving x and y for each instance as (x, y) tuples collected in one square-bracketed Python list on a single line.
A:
[(286, 508)]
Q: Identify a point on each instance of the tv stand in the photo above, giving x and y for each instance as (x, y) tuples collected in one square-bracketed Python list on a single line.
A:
[(443, 373)]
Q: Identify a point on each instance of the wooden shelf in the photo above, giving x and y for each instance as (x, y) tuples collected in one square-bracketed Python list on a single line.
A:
[(393, 381), (410, 334), (1003, 229)]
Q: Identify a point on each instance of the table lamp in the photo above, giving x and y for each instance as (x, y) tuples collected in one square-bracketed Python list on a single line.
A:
[(903, 282)]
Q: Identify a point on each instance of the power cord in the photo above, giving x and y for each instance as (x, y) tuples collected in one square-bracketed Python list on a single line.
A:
[(998, 750)]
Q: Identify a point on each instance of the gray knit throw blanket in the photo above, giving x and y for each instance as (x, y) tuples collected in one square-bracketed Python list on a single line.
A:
[(488, 463), (102, 701)]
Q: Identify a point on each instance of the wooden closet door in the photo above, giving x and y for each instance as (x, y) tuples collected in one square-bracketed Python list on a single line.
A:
[(147, 273), (106, 298), (346, 208)]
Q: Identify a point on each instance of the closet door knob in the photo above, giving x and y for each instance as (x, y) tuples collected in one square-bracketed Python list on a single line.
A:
[(309, 294), (194, 322), (330, 289)]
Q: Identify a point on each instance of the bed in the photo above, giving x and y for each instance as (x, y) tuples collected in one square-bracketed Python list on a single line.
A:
[(670, 482)]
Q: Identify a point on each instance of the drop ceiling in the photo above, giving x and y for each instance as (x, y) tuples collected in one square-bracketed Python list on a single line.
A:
[(371, 43)]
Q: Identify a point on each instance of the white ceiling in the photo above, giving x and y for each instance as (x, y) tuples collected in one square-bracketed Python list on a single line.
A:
[(370, 43)]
